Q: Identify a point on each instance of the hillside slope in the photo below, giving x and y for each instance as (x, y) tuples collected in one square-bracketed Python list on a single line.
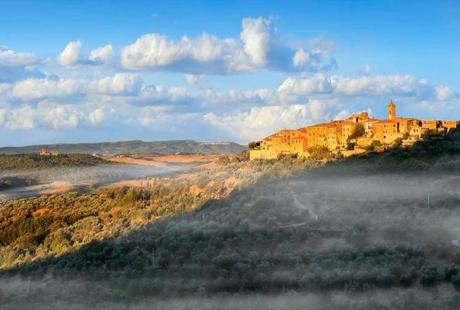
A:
[(131, 147), (385, 225)]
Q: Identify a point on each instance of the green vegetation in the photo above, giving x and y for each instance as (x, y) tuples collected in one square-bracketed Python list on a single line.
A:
[(375, 222), (319, 153), (11, 182), (358, 131), (36, 161)]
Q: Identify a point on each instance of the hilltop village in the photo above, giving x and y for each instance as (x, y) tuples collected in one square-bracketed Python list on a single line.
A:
[(353, 135)]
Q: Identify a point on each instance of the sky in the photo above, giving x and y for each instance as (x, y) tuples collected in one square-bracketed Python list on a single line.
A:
[(90, 71)]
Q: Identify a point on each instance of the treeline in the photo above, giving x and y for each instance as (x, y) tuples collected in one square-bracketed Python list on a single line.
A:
[(36, 161)]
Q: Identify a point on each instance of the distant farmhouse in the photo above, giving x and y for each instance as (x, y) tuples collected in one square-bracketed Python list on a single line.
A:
[(354, 135), (45, 152)]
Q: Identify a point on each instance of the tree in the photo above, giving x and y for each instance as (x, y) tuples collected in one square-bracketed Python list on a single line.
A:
[(429, 275), (358, 131)]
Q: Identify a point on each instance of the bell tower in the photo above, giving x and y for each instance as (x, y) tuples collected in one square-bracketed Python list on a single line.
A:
[(391, 110)]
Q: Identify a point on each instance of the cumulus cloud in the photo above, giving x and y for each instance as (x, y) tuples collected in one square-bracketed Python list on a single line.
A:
[(382, 85), (258, 122), (11, 58), (70, 55), (256, 48), (15, 66), (118, 84), (22, 118), (31, 89), (97, 116), (318, 83), (321, 45), (101, 55), (301, 58), (57, 116), (444, 93), (193, 79), (4, 87), (256, 36), (157, 51)]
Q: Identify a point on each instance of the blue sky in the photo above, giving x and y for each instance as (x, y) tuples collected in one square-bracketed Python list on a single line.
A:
[(73, 71)]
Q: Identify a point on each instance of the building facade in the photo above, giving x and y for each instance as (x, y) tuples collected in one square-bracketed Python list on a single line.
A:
[(358, 131)]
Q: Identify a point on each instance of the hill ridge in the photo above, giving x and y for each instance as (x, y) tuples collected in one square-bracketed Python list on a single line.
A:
[(132, 146)]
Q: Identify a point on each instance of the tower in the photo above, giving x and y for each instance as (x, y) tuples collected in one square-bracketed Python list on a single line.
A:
[(391, 110)]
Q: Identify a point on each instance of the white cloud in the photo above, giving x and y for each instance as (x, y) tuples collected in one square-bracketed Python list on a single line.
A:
[(301, 58), (22, 118), (31, 89), (5, 87), (150, 50), (317, 83), (321, 46), (256, 39), (255, 49), (3, 114), (118, 84), (258, 122), (444, 93), (382, 85), (57, 116), (15, 66), (70, 55), (101, 55), (193, 79), (97, 116), (11, 58), (203, 49)]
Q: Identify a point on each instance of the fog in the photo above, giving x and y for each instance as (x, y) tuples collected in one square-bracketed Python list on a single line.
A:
[(82, 178), (49, 293), (312, 228)]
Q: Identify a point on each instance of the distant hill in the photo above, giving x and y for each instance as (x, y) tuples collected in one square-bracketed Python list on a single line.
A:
[(35, 161), (135, 146)]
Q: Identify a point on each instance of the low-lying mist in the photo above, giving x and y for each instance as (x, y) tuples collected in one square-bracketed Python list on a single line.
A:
[(81, 177), (51, 293)]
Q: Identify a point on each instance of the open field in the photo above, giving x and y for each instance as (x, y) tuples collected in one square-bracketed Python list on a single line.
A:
[(169, 159)]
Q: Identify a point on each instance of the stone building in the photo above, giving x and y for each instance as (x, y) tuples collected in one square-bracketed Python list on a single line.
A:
[(349, 136)]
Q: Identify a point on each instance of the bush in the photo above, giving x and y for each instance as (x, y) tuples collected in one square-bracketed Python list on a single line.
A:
[(429, 275)]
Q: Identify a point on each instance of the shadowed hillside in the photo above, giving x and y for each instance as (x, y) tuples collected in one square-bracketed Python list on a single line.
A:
[(385, 224)]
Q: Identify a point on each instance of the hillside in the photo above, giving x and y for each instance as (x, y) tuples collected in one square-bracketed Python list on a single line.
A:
[(247, 232), (132, 147), (36, 161)]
